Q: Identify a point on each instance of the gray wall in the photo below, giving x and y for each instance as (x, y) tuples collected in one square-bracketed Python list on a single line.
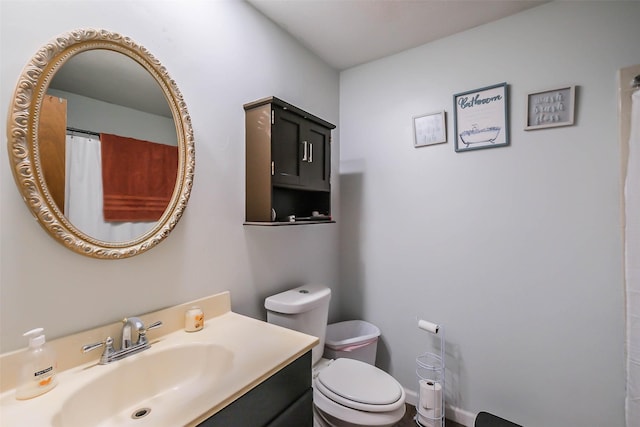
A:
[(103, 117), (222, 54), (515, 250)]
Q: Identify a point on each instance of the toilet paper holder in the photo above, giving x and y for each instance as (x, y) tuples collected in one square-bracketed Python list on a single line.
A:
[(430, 372)]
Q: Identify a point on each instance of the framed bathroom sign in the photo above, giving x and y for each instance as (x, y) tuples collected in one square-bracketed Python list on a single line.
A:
[(429, 129), (481, 118), (551, 108)]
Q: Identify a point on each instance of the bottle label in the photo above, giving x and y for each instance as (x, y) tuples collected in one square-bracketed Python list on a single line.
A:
[(43, 372), (44, 377)]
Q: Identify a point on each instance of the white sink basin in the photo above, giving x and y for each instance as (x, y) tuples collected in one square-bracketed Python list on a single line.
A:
[(148, 389), (182, 380)]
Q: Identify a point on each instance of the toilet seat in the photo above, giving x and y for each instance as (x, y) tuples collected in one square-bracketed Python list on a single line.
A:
[(335, 414), (359, 386)]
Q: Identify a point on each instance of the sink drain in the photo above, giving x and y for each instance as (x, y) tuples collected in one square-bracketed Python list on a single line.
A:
[(140, 413)]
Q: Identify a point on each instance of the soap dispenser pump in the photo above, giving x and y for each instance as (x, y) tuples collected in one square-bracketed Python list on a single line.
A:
[(38, 371)]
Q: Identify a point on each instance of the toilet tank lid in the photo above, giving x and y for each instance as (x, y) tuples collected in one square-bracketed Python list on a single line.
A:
[(298, 300)]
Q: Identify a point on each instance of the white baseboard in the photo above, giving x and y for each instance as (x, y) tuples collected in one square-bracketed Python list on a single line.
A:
[(452, 413), (460, 416), (411, 397)]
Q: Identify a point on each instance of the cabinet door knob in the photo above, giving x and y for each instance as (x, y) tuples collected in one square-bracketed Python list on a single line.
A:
[(305, 151), (311, 152)]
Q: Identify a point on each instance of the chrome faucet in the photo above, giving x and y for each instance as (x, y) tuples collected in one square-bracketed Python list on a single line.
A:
[(131, 323), (128, 347)]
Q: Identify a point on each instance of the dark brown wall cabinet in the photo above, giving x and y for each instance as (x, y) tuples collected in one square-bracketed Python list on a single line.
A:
[(288, 164)]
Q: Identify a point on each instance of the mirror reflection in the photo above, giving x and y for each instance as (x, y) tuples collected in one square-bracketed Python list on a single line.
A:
[(108, 145)]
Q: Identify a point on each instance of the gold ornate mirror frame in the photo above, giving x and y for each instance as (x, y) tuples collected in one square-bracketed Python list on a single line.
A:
[(22, 135)]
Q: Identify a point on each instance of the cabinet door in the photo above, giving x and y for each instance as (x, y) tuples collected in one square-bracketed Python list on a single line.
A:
[(317, 167), (298, 414), (285, 396), (53, 123), (286, 145)]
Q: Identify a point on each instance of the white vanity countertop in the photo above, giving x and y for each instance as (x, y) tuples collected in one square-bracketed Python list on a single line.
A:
[(258, 351)]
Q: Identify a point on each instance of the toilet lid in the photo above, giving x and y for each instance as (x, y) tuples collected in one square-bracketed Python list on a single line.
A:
[(359, 382)]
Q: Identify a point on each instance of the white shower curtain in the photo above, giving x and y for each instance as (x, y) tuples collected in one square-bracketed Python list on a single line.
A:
[(83, 200), (632, 266)]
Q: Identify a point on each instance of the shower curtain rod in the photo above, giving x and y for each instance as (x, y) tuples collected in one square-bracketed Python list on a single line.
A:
[(88, 132)]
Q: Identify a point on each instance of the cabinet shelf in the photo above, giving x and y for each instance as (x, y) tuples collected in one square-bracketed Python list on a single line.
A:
[(286, 224)]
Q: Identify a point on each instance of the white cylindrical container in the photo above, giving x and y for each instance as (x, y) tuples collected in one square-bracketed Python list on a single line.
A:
[(193, 319)]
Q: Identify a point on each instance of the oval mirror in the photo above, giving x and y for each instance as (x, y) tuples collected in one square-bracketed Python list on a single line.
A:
[(101, 144)]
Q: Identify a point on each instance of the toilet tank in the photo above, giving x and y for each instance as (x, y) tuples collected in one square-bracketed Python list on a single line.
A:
[(304, 309)]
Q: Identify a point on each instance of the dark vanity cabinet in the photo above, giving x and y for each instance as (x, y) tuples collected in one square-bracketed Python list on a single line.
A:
[(283, 400), (288, 163)]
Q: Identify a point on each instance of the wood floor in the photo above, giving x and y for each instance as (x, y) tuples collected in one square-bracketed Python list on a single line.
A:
[(408, 421)]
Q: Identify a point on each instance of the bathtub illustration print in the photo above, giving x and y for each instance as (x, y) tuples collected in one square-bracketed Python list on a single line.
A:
[(475, 135), (481, 118)]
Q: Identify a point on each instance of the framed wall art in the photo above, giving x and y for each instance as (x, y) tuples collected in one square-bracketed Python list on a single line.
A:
[(429, 129), (551, 108), (481, 118)]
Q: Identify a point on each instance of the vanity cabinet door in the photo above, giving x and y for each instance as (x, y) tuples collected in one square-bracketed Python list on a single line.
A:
[(300, 413), (284, 399)]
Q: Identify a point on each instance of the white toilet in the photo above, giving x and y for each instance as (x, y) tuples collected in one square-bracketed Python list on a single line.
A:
[(346, 392)]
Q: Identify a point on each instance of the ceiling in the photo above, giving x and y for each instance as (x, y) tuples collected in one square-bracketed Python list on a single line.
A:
[(346, 33)]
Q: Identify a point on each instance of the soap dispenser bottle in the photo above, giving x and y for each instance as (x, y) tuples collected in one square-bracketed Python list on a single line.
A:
[(38, 371)]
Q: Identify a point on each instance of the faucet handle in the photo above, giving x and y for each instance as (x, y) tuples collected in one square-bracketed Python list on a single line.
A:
[(90, 347), (142, 337), (108, 349), (154, 325)]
